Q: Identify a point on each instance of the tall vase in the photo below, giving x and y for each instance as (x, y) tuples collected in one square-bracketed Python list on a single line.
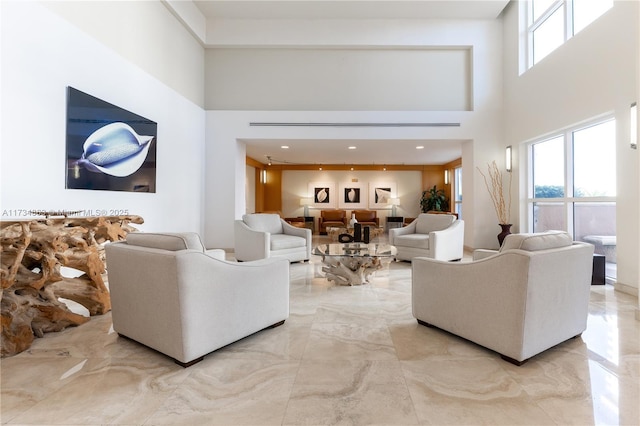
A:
[(506, 230), (353, 220)]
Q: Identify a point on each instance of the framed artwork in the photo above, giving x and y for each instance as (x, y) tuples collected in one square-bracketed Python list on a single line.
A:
[(353, 195), (323, 194), (380, 194), (107, 147)]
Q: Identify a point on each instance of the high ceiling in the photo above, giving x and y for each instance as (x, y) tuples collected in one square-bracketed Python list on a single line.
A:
[(351, 9), (336, 151)]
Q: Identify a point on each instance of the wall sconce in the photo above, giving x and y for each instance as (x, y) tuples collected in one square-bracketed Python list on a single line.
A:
[(263, 176), (507, 159), (446, 177), (305, 202), (634, 125), (394, 202)]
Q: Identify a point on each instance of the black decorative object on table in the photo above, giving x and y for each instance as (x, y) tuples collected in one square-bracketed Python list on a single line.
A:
[(345, 238), (357, 232)]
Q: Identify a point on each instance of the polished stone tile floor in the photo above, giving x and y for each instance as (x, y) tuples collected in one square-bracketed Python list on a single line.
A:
[(346, 355)]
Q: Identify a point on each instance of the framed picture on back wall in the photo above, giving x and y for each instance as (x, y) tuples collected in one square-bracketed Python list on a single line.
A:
[(380, 194), (353, 195), (323, 194)]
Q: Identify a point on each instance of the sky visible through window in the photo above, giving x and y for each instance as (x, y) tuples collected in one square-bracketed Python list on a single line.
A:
[(594, 162), (551, 32)]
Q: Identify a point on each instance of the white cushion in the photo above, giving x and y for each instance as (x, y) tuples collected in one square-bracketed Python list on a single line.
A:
[(426, 223), (264, 222), (535, 242), (413, 240), (166, 241), (284, 241)]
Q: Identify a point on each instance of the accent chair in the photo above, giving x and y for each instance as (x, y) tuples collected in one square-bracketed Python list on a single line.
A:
[(367, 217), (519, 301), (331, 218), (260, 236), (437, 236), (172, 295)]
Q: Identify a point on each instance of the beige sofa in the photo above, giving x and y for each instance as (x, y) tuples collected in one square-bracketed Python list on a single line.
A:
[(437, 236), (261, 236), (170, 294), (531, 295)]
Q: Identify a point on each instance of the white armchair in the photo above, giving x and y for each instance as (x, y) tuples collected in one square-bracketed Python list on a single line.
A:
[(260, 236), (531, 295), (437, 236), (171, 295)]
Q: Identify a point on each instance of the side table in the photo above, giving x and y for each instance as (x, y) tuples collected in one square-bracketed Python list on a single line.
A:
[(393, 222), (309, 222), (599, 270)]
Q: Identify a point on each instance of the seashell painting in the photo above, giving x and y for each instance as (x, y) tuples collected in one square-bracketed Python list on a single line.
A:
[(383, 195), (351, 195), (322, 196), (115, 149)]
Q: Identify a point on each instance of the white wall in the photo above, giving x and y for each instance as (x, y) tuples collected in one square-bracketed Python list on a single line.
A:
[(594, 73), (340, 79), (42, 54), (250, 190), (146, 34)]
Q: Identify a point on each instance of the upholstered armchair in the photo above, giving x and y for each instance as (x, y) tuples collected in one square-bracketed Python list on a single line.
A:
[(331, 218), (171, 295), (437, 236), (367, 217), (259, 236), (531, 295)]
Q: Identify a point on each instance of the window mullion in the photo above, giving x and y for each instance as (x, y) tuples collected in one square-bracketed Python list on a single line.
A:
[(568, 20), (569, 190), (550, 11)]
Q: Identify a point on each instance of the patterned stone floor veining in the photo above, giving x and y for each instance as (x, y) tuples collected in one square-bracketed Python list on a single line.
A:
[(346, 355)]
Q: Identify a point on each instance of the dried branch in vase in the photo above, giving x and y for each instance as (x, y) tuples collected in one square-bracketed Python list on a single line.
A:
[(495, 187)]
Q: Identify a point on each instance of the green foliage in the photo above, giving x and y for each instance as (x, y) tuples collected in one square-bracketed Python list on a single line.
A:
[(434, 199)]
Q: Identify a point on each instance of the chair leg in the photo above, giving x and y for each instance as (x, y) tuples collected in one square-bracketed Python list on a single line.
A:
[(426, 324), (278, 324), (188, 364), (513, 361)]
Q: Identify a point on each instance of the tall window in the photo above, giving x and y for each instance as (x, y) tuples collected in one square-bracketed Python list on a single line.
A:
[(457, 188), (573, 185), (552, 22)]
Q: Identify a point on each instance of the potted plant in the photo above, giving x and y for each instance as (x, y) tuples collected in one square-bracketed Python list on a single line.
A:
[(434, 199), (495, 187)]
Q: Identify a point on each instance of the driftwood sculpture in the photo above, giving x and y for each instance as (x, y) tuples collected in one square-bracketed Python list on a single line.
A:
[(32, 253)]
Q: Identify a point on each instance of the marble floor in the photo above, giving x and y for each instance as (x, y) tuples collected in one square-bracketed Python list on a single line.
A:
[(346, 355)]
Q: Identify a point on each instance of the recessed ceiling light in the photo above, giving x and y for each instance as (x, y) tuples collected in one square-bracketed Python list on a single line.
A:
[(284, 146), (352, 147), (419, 147)]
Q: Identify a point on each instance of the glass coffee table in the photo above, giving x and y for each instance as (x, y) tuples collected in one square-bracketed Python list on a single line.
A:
[(353, 263)]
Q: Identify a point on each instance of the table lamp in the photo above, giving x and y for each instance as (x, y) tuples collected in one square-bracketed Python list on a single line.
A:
[(394, 202), (305, 202)]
